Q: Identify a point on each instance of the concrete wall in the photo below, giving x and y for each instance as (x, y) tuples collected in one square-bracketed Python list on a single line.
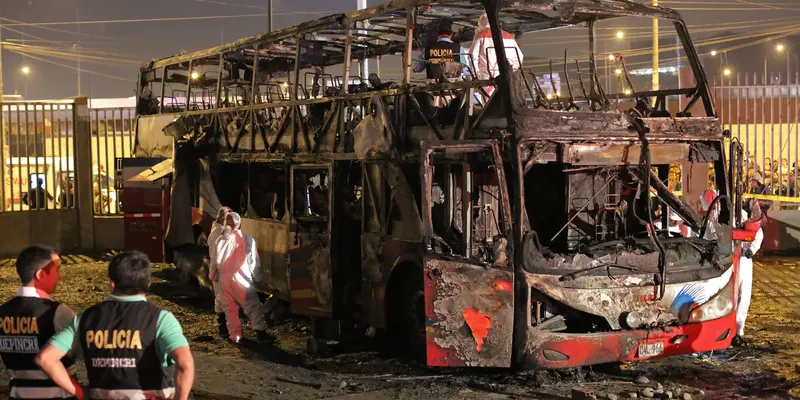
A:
[(56, 228), (782, 232)]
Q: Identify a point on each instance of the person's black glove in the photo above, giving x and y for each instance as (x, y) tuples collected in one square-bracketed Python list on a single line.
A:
[(748, 253)]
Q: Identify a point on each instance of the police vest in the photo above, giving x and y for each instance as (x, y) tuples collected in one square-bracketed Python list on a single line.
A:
[(26, 324), (438, 55), (119, 347)]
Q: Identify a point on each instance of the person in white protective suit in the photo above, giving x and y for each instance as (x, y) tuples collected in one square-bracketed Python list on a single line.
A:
[(238, 271), (706, 198), (744, 281), (216, 231), (482, 52)]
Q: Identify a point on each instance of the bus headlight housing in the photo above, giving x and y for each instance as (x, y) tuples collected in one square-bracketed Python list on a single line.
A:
[(717, 307)]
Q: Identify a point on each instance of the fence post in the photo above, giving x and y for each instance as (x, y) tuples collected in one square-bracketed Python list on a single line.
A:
[(82, 140), (3, 154)]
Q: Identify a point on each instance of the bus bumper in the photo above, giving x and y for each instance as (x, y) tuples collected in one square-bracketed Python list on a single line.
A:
[(560, 350)]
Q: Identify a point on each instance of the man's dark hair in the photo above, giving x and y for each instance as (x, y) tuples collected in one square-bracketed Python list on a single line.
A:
[(130, 272), (31, 260), (445, 27)]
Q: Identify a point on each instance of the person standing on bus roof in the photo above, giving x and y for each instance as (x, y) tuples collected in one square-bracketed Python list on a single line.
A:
[(238, 272), (132, 349), (37, 317), (744, 281), (483, 53), (216, 231), (436, 56)]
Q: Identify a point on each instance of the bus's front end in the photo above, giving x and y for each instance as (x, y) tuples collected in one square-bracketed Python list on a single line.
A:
[(613, 265)]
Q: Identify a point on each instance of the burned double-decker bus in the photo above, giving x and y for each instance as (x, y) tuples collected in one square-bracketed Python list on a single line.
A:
[(489, 222)]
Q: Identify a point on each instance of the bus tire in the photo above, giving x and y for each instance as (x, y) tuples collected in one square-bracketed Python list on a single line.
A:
[(414, 315), (405, 311)]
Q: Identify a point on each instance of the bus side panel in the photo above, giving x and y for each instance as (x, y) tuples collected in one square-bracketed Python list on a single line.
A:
[(469, 312), (150, 138), (271, 240)]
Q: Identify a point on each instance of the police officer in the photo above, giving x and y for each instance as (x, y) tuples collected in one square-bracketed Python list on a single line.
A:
[(435, 57), (29, 320), (132, 349)]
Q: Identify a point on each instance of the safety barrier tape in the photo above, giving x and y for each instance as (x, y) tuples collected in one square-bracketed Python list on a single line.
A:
[(143, 215), (766, 197)]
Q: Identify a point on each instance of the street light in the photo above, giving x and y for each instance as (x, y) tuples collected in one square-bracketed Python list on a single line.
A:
[(713, 53), (618, 71), (628, 92), (195, 75), (726, 72), (26, 70), (612, 57), (780, 48), (620, 34)]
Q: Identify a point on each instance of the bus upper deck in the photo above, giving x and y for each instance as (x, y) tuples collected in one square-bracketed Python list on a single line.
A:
[(295, 79)]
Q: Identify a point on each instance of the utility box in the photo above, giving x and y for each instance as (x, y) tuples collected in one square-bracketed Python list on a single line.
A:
[(145, 184)]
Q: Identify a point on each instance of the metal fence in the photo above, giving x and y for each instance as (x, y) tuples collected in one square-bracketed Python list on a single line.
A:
[(765, 119), (112, 138), (38, 156), (38, 153)]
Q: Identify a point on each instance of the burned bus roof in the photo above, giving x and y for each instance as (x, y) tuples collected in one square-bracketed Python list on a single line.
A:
[(385, 34)]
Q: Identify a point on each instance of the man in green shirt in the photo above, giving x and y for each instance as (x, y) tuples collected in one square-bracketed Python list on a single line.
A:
[(132, 349)]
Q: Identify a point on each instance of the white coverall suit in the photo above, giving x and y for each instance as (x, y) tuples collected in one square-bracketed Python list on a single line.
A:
[(238, 271), (216, 232), (483, 53), (744, 283)]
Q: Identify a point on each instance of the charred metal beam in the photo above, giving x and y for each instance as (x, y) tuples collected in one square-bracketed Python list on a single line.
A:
[(553, 86), (504, 84), (702, 87), (571, 104), (354, 96), (684, 211), (427, 121)]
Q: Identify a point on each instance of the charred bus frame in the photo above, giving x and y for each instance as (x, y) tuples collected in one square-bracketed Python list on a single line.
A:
[(357, 147)]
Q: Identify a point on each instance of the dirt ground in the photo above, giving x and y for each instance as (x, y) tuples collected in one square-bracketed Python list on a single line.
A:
[(768, 369)]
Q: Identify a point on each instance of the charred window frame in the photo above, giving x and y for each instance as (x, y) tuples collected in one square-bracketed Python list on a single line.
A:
[(551, 165), (311, 197), (268, 189), (467, 157)]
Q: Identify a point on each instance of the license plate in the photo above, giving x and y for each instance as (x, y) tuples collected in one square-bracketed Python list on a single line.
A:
[(651, 349)]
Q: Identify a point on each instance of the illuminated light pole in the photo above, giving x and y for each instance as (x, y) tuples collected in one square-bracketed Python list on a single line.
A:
[(655, 53), (780, 49), (25, 71)]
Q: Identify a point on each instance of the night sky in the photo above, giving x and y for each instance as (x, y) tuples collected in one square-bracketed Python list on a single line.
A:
[(117, 49)]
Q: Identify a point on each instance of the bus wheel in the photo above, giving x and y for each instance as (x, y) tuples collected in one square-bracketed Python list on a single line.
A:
[(414, 316)]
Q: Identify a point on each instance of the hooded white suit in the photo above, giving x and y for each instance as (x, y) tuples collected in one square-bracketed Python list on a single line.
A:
[(238, 273), (216, 231), (744, 282), (483, 53)]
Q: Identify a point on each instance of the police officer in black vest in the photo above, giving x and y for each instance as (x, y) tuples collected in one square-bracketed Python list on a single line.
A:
[(29, 320), (443, 51), (133, 349)]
